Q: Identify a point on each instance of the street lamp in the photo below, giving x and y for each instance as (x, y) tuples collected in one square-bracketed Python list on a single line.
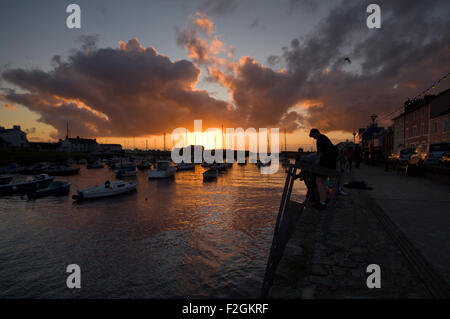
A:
[(354, 134)]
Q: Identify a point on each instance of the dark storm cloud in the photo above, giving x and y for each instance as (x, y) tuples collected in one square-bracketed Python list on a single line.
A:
[(88, 42), (390, 64), (129, 91), (309, 5), (218, 7)]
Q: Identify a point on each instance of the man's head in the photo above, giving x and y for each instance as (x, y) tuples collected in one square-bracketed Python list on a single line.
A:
[(314, 133)]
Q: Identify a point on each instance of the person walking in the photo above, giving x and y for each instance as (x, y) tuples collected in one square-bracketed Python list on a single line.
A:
[(326, 157)]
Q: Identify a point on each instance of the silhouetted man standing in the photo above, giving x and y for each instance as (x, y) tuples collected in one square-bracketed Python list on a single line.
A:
[(326, 157)]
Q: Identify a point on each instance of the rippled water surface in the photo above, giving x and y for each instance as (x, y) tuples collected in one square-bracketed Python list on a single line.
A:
[(171, 239)]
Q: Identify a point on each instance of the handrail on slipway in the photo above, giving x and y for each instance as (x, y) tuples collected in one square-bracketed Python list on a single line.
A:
[(289, 213)]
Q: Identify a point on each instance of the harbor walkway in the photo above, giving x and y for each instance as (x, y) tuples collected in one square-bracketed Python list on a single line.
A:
[(401, 225), (419, 207)]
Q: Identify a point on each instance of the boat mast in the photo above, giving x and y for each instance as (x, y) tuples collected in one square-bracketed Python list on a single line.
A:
[(285, 140), (164, 141)]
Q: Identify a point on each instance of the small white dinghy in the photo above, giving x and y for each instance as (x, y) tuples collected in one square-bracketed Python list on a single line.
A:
[(106, 189), (162, 170)]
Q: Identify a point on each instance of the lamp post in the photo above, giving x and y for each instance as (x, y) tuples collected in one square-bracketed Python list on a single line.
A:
[(354, 135)]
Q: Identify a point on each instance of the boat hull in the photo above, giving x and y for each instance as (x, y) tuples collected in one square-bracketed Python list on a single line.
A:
[(24, 187), (102, 192), (61, 190), (160, 174), (63, 172)]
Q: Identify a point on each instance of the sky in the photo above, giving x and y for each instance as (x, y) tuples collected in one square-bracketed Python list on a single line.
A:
[(138, 69)]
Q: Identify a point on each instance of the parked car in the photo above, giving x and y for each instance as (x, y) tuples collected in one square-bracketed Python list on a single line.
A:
[(436, 151), (419, 156), (445, 159), (402, 156), (431, 155)]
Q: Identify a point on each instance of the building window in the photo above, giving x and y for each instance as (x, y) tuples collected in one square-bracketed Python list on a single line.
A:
[(415, 115), (414, 132), (422, 133), (407, 133), (435, 127), (445, 125), (423, 112)]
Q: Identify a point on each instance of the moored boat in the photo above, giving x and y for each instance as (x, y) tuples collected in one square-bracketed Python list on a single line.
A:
[(12, 168), (106, 189), (143, 165), (56, 188), (126, 171), (163, 169), (37, 168), (6, 179), (24, 186), (185, 166), (61, 170), (94, 165), (211, 173)]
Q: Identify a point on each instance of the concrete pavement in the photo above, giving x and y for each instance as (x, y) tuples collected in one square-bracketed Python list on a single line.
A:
[(419, 207)]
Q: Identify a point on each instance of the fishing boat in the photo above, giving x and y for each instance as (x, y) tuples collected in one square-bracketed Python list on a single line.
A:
[(61, 170), (95, 165), (82, 161), (24, 186), (207, 165), (143, 165), (210, 174), (106, 189), (126, 171), (12, 168), (56, 188), (185, 166), (163, 170)]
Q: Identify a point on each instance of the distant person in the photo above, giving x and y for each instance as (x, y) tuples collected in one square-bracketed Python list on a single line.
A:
[(326, 157), (350, 154), (357, 156)]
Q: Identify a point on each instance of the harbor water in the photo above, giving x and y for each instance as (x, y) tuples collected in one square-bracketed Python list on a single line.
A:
[(177, 238)]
